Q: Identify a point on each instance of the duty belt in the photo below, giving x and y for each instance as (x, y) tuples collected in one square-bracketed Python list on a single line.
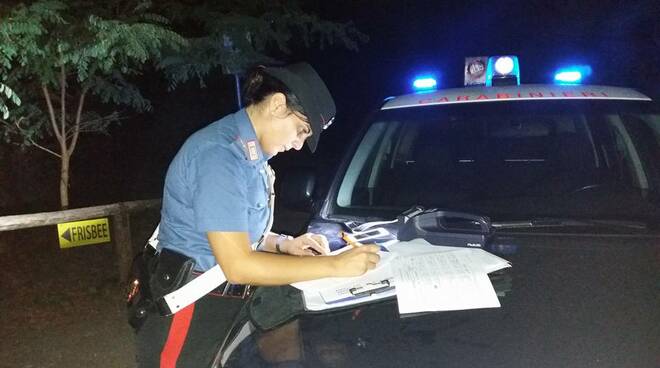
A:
[(227, 290), (186, 295)]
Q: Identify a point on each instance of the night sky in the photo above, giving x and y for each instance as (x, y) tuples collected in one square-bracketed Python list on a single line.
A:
[(619, 39)]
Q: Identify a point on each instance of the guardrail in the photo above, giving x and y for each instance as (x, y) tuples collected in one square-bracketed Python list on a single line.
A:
[(120, 221)]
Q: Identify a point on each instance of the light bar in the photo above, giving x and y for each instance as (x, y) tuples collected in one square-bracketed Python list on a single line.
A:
[(572, 75), (425, 83)]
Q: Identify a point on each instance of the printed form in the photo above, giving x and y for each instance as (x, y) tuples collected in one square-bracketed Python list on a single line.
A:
[(442, 281)]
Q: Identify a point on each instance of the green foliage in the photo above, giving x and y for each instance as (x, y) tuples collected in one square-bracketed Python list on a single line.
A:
[(19, 131), (234, 35), (95, 47), (7, 94)]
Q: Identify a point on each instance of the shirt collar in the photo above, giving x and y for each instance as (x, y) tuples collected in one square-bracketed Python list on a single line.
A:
[(247, 138)]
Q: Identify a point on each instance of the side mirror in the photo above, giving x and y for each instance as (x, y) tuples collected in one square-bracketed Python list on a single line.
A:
[(296, 189)]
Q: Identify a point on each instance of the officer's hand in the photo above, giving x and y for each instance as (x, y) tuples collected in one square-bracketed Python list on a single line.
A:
[(306, 245), (357, 261)]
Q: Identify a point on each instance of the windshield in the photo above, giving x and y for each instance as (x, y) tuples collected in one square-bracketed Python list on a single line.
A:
[(508, 160)]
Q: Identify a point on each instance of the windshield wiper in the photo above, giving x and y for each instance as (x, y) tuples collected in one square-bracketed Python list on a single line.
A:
[(559, 222), (356, 219)]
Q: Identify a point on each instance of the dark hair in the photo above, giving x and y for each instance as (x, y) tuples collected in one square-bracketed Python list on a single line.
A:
[(258, 85)]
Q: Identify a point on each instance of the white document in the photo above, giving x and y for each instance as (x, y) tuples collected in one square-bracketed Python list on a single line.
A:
[(418, 246), (333, 292), (480, 258), (442, 281)]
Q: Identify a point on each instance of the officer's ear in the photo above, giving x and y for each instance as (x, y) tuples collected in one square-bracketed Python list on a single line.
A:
[(277, 105)]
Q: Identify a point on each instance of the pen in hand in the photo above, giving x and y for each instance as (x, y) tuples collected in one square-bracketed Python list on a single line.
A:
[(354, 243), (346, 238)]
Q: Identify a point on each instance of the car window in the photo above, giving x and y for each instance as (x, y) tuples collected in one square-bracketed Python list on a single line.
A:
[(494, 159)]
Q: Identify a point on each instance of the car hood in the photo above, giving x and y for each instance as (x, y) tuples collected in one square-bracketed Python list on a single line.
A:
[(566, 302)]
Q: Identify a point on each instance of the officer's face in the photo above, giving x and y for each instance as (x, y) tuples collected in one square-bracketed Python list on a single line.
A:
[(287, 129), (288, 133)]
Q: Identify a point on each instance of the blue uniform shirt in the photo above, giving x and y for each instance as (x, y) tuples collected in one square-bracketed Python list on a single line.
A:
[(216, 182)]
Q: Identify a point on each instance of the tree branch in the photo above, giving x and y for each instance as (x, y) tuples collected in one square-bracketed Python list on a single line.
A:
[(17, 125), (63, 101), (51, 113), (76, 126), (91, 126), (44, 148)]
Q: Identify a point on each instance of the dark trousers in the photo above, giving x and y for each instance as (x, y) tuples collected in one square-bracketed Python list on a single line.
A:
[(188, 339)]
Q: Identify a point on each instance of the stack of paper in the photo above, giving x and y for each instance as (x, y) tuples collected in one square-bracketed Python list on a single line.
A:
[(443, 281), (439, 278), (424, 277)]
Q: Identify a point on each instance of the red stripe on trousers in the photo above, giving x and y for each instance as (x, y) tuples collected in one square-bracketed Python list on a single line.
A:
[(176, 337)]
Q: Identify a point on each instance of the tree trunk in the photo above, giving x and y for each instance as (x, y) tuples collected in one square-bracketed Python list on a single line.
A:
[(64, 180)]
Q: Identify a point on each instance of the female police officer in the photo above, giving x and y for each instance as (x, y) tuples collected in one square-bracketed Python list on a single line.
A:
[(217, 208)]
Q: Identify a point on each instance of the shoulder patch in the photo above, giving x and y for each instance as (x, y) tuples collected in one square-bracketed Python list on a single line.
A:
[(253, 155), (241, 147)]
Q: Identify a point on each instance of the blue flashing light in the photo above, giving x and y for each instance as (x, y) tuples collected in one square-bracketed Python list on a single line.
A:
[(425, 83), (504, 65), (572, 75), (568, 77), (502, 70)]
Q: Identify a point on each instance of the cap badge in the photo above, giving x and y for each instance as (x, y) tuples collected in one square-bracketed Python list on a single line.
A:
[(327, 124)]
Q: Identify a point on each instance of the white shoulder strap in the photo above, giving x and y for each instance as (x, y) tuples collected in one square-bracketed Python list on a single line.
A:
[(153, 240), (195, 289)]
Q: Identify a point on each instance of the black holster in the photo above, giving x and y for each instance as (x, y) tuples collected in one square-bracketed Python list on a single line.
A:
[(154, 276)]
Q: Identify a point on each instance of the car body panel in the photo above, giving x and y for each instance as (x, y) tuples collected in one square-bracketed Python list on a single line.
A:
[(566, 302)]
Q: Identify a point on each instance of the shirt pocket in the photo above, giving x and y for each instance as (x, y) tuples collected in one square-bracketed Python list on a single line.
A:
[(257, 193)]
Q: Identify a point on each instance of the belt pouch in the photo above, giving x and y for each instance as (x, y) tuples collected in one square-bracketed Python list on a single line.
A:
[(173, 271), (140, 301)]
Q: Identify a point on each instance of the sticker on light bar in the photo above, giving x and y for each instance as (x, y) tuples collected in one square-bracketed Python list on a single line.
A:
[(475, 70)]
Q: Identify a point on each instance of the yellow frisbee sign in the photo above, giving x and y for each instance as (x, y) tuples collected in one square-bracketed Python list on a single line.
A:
[(75, 234)]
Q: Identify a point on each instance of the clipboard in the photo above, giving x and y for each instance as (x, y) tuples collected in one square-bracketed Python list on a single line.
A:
[(356, 291)]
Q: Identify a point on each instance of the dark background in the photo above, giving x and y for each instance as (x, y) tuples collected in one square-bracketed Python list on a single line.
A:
[(619, 39)]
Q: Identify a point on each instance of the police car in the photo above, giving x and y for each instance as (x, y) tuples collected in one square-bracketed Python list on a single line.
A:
[(567, 176)]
